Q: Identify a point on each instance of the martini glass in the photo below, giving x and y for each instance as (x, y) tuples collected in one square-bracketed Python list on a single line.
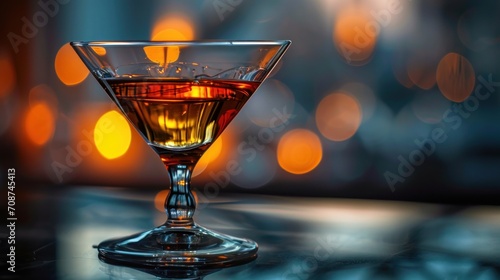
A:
[(180, 96)]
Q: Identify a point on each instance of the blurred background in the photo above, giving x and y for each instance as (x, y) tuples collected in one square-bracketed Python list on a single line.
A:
[(382, 99)]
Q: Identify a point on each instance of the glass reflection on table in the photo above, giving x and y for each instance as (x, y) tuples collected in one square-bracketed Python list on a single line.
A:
[(301, 238)]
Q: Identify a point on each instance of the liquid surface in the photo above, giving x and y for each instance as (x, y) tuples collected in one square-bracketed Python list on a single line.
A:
[(181, 115)]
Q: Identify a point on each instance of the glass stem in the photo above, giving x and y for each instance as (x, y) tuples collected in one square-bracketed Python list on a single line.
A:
[(180, 203)]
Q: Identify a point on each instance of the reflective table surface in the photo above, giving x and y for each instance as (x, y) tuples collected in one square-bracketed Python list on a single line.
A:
[(299, 238)]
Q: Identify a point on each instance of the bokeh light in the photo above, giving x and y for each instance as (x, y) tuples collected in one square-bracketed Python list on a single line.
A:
[(168, 29), (355, 34), (99, 50), (162, 55), (217, 159), (173, 28), (112, 135), (42, 100), (434, 51), (299, 151), (69, 67), (422, 71), (455, 77), (8, 76), (268, 57), (39, 123), (209, 156), (338, 116)]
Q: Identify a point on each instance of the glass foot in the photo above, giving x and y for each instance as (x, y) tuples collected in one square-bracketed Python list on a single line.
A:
[(168, 246)]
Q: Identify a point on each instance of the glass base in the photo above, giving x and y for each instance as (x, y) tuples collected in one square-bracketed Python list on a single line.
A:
[(170, 246)]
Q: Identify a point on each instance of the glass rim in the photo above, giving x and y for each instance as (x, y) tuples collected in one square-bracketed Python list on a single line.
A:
[(183, 43)]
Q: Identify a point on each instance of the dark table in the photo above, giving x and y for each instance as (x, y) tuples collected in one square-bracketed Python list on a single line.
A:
[(299, 238)]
